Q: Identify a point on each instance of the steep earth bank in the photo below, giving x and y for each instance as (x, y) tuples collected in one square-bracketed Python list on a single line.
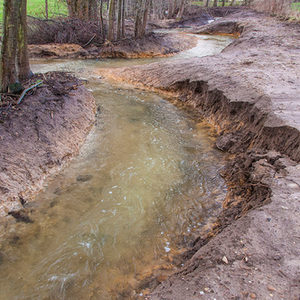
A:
[(250, 93), (152, 45), (44, 34), (38, 137)]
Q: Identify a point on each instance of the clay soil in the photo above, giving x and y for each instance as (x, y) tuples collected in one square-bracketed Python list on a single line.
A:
[(250, 93), (38, 136), (152, 45)]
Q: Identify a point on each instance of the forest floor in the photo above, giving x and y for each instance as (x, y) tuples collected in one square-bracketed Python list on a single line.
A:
[(250, 93)]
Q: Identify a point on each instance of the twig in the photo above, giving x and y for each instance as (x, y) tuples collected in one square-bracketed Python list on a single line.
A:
[(27, 90), (91, 39)]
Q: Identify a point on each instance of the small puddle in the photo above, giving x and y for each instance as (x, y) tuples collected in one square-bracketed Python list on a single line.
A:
[(145, 183)]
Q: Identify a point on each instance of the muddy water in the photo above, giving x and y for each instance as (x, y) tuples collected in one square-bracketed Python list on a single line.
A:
[(146, 181)]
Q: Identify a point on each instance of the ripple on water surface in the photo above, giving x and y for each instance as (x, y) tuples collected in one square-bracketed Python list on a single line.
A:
[(144, 183)]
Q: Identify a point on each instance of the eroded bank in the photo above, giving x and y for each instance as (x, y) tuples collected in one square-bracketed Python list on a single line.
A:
[(142, 155), (40, 136), (250, 94)]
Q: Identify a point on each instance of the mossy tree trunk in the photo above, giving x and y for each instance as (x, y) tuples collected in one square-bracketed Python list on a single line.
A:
[(14, 58), (9, 45)]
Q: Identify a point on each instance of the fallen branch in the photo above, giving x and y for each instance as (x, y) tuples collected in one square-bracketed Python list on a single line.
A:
[(89, 41), (27, 90)]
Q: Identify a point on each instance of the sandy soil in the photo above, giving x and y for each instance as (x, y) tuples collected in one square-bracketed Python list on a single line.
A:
[(250, 93), (39, 136), (152, 45)]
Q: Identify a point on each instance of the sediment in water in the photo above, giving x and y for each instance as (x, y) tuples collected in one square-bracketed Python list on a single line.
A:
[(258, 121)]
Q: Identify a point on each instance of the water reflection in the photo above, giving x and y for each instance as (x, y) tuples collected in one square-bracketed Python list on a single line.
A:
[(145, 181)]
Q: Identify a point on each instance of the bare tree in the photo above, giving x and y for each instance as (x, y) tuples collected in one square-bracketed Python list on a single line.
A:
[(119, 28), (181, 9), (123, 19), (14, 58), (22, 54), (46, 10), (111, 20), (9, 42), (82, 9), (102, 29)]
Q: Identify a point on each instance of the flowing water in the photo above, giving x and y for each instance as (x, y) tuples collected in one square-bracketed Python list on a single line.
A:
[(145, 182)]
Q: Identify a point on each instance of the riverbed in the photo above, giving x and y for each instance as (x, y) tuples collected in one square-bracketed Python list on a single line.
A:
[(145, 183)]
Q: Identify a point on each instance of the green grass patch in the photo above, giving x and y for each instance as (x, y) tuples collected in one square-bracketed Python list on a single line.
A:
[(36, 8), (296, 6), (211, 2), (199, 3)]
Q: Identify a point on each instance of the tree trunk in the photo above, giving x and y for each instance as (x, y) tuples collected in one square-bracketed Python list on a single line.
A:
[(207, 3), (138, 18), (101, 21), (111, 20), (170, 9), (22, 58), (9, 43), (72, 8), (215, 3), (181, 9), (119, 28), (145, 17), (83, 9), (223, 3), (123, 19), (46, 9), (92, 7), (232, 2)]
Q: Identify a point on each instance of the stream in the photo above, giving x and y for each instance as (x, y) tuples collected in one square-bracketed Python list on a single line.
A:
[(144, 185)]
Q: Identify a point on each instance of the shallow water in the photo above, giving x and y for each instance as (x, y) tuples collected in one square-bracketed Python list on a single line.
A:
[(146, 181), (206, 45)]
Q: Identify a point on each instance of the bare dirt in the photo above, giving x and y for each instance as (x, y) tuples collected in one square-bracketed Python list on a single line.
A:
[(152, 45), (39, 136), (250, 93)]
